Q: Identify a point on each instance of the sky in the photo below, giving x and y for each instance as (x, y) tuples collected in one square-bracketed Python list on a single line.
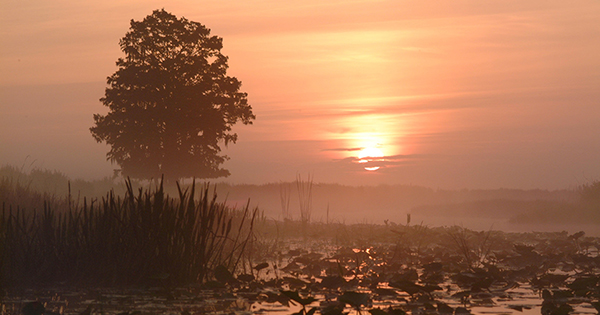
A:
[(445, 94)]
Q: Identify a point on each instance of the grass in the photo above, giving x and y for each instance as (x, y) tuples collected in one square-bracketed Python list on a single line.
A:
[(474, 247), (51, 183), (284, 196), (305, 199), (144, 237)]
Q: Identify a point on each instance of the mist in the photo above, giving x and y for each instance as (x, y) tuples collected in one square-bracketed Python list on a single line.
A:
[(511, 210), (391, 157)]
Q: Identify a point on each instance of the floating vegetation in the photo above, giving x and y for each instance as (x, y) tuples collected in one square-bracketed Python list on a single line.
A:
[(148, 253)]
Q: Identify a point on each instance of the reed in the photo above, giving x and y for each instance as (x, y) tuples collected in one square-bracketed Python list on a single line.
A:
[(284, 196), (305, 199), (144, 237), (474, 247)]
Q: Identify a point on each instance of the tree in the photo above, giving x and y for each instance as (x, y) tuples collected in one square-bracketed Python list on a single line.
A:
[(171, 104)]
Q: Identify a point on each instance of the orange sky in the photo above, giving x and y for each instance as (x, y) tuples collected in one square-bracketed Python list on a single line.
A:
[(456, 94)]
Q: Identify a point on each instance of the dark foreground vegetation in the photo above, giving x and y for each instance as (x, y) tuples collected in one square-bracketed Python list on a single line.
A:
[(146, 253), (141, 237), (368, 269)]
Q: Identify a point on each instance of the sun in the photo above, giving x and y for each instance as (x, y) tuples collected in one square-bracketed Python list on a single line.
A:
[(370, 154)]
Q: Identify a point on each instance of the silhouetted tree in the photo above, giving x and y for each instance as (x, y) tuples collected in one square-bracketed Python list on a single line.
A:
[(171, 104)]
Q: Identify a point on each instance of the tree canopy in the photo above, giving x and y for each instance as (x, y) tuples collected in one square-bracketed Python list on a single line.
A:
[(171, 103)]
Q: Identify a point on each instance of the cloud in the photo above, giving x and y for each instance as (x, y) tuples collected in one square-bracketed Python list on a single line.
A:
[(343, 149), (388, 161)]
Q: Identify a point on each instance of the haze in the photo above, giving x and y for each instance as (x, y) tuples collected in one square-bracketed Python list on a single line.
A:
[(454, 94)]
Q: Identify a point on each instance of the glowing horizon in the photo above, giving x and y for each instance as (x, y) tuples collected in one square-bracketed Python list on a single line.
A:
[(468, 94)]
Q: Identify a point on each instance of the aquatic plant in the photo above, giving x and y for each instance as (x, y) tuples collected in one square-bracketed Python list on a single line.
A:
[(303, 301), (475, 247), (305, 198), (18, 186), (144, 237), (319, 276)]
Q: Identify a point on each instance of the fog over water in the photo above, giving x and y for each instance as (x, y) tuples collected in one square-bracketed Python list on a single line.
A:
[(309, 157), (501, 209)]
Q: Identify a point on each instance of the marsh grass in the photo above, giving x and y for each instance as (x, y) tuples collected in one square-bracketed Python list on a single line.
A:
[(285, 197), (474, 247), (144, 237), (50, 184), (17, 190), (305, 188)]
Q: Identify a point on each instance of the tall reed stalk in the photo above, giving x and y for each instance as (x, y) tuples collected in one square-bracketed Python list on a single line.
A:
[(305, 199), (474, 247), (135, 239), (284, 196)]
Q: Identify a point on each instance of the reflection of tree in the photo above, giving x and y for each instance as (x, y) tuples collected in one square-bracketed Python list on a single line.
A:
[(171, 103)]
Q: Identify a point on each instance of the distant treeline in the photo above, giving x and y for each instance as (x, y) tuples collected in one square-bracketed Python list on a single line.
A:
[(351, 204), (520, 211), (16, 182)]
